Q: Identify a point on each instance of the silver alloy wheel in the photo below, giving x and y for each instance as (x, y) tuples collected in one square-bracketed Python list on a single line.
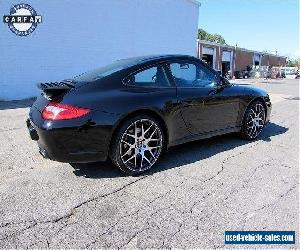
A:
[(255, 120), (141, 145)]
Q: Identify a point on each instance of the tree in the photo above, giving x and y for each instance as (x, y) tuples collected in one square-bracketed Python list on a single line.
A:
[(293, 62), (204, 35), (219, 39)]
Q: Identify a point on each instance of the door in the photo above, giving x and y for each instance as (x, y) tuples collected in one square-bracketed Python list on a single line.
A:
[(205, 105), (152, 87)]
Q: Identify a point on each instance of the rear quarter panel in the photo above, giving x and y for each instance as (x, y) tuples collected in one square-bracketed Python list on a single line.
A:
[(113, 97)]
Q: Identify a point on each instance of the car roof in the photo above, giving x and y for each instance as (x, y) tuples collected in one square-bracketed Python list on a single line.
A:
[(125, 65), (142, 59)]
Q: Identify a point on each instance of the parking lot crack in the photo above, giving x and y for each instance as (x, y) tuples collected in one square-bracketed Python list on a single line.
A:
[(246, 181), (135, 213), (281, 196), (172, 236), (223, 163), (19, 232), (67, 215), (131, 239), (108, 194)]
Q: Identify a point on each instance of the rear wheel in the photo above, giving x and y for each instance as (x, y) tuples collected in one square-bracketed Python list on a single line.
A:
[(254, 120), (137, 145)]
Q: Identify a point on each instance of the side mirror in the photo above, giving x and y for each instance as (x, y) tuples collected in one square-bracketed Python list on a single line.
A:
[(222, 82)]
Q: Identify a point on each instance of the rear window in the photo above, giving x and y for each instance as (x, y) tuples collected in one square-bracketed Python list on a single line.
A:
[(150, 77), (99, 73)]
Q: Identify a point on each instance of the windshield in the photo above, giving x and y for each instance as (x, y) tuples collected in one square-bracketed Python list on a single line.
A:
[(99, 73)]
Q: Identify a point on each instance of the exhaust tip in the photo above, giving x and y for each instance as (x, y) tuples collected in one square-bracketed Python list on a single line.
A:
[(44, 153)]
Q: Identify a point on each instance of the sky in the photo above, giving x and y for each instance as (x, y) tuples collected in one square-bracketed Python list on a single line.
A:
[(254, 24)]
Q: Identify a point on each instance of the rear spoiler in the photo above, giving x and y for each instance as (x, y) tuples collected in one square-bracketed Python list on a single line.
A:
[(51, 89)]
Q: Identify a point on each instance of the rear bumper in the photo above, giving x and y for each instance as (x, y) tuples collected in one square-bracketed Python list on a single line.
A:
[(69, 146), (85, 140)]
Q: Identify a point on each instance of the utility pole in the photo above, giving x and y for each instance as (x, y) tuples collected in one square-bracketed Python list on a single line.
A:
[(234, 61)]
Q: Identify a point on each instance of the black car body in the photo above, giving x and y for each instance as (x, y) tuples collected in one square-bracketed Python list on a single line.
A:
[(185, 112)]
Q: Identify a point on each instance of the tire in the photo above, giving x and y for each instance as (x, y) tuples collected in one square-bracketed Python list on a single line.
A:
[(254, 120), (137, 145)]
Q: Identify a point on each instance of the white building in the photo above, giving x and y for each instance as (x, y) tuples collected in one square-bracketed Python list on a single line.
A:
[(76, 36)]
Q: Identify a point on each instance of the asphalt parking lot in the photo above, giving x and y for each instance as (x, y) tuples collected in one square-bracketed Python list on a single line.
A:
[(198, 191)]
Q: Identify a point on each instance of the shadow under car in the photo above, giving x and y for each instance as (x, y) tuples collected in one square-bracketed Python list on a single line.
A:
[(185, 154)]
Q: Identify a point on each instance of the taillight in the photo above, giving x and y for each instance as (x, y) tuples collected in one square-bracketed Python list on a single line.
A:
[(58, 111)]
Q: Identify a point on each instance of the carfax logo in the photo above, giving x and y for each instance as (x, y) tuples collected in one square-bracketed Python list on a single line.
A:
[(22, 19)]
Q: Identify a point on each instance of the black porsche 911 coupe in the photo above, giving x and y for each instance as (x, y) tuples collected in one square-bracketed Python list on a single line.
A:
[(134, 109)]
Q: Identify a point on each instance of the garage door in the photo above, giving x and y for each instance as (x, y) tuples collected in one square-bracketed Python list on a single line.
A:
[(208, 51)]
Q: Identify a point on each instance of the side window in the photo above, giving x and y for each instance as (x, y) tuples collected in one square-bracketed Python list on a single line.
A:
[(205, 78), (184, 73), (192, 75), (151, 77)]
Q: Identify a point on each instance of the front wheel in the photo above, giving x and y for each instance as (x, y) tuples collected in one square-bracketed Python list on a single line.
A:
[(254, 120), (137, 145)]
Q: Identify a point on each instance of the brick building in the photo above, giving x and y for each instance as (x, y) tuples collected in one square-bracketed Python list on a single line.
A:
[(226, 58)]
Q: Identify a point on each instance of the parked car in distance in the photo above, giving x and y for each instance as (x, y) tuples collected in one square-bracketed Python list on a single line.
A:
[(290, 72), (131, 111)]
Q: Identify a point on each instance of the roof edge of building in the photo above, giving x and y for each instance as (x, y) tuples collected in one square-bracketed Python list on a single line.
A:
[(233, 47)]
